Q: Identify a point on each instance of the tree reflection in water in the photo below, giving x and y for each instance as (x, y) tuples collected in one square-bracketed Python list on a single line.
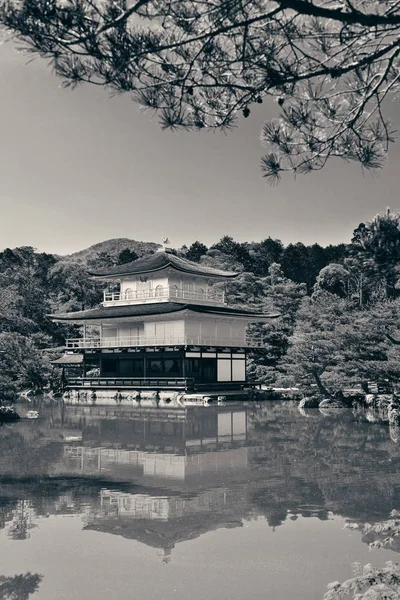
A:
[(19, 587), (174, 475)]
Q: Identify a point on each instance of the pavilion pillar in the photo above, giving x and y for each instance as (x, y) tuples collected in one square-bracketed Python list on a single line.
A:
[(184, 365)]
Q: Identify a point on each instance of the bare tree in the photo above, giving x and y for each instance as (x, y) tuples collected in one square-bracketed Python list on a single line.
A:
[(330, 64)]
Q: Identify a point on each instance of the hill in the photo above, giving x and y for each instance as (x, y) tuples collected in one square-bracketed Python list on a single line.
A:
[(112, 248)]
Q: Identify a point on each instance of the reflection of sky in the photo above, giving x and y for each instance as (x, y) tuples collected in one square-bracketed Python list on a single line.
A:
[(232, 504), (296, 560)]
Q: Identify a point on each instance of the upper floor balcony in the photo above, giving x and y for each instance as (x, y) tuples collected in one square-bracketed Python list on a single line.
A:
[(164, 294), (249, 341)]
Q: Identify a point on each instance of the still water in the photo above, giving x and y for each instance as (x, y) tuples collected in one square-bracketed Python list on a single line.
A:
[(228, 502)]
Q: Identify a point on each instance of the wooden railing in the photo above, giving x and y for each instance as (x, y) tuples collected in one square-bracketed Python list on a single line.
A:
[(151, 383), (163, 293), (140, 341)]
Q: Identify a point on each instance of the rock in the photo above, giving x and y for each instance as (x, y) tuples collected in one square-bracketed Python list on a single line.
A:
[(331, 404), (27, 393), (383, 401), (306, 412), (309, 403), (394, 432), (370, 399), (8, 414), (371, 417), (394, 414)]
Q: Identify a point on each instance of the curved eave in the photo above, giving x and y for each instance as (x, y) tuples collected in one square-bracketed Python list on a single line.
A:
[(250, 316), (107, 276), (158, 262), (137, 311)]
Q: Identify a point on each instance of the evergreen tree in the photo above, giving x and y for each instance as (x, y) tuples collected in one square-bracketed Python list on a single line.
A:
[(329, 65), (379, 241), (334, 279), (335, 344), (368, 583), (22, 365), (126, 256), (72, 288), (239, 252), (295, 262), (196, 251), (281, 295), (264, 254)]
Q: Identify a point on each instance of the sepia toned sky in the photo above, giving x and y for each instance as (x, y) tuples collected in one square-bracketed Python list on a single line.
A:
[(79, 167)]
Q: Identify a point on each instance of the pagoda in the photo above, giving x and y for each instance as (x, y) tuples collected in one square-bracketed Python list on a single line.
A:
[(162, 325)]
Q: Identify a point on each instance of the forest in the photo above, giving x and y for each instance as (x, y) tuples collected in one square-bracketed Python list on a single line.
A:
[(339, 305)]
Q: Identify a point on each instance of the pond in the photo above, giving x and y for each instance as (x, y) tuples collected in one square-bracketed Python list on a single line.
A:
[(220, 502)]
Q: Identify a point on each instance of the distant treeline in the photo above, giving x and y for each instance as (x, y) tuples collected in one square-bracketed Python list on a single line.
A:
[(299, 263), (337, 303)]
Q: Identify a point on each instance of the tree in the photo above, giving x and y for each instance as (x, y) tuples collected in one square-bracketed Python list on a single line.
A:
[(335, 253), (368, 583), (264, 254), (378, 242), (22, 364), (127, 256), (72, 288), (196, 251), (330, 66), (279, 294), (220, 260), (236, 250), (333, 279), (336, 344), (295, 262), (24, 281), (19, 587)]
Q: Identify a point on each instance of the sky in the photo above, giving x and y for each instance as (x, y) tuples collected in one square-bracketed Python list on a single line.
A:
[(80, 167)]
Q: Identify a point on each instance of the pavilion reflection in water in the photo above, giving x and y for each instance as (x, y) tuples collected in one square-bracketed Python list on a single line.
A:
[(164, 476), (184, 463)]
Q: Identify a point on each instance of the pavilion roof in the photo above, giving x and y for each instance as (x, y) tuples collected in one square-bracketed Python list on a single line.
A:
[(159, 261), (166, 534), (69, 359), (160, 308)]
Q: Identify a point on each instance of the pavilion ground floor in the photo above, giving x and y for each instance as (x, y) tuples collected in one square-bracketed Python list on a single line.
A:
[(196, 368)]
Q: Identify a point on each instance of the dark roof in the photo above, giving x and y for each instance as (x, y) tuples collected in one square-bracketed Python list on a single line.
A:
[(157, 262), (165, 534), (157, 308), (68, 359)]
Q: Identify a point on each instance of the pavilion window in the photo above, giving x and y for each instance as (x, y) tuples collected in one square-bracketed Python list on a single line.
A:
[(109, 366), (143, 289), (110, 332), (188, 289), (132, 367), (154, 367), (92, 367), (173, 368), (165, 367)]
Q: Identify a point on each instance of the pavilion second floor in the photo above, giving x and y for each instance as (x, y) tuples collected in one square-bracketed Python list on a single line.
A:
[(165, 324), (179, 332)]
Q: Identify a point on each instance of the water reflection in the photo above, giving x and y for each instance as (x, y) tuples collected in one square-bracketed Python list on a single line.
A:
[(166, 476)]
